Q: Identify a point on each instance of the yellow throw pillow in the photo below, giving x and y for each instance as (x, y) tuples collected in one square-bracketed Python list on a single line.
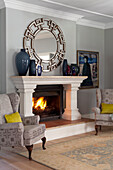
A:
[(13, 118), (107, 108)]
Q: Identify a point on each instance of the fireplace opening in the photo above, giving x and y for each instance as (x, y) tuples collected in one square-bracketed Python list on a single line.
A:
[(47, 102)]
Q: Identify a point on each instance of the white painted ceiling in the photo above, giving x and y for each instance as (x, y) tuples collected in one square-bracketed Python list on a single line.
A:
[(94, 10)]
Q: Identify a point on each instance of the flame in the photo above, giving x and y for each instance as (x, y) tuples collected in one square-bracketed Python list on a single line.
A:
[(39, 103), (33, 103)]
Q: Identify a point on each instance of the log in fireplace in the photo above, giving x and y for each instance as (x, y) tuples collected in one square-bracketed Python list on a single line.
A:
[(48, 102)]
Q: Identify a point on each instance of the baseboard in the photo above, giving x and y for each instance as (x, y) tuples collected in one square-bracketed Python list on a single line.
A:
[(90, 116)]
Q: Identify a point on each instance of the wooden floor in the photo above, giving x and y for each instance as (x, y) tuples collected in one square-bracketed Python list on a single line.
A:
[(22, 163), (18, 162)]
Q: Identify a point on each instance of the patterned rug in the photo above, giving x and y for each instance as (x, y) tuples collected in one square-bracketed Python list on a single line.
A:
[(85, 152)]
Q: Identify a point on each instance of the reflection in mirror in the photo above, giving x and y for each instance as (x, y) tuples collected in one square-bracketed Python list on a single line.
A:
[(45, 45)]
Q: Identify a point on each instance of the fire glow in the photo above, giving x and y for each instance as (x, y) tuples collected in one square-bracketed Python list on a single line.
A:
[(39, 104)]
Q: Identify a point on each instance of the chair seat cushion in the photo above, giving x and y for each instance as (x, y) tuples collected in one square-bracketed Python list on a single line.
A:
[(104, 123), (32, 131), (104, 117)]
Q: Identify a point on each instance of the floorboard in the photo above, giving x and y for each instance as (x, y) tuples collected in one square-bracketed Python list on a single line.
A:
[(19, 162)]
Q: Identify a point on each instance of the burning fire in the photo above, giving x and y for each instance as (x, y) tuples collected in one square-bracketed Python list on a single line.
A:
[(40, 103)]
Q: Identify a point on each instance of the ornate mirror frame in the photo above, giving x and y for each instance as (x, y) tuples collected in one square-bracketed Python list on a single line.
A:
[(32, 30)]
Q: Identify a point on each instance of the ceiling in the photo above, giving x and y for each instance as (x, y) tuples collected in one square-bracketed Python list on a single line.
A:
[(95, 10)]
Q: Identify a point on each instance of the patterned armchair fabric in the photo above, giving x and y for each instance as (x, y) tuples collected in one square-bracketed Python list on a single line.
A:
[(103, 96), (11, 134), (33, 133), (5, 107), (14, 99), (19, 134), (31, 120)]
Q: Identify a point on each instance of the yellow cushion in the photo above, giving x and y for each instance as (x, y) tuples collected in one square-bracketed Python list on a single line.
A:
[(13, 118), (107, 108)]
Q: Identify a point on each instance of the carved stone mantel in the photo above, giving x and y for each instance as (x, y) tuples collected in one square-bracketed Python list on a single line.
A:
[(27, 84)]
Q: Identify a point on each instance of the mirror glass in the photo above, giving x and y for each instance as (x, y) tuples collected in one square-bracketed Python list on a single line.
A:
[(45, 45)]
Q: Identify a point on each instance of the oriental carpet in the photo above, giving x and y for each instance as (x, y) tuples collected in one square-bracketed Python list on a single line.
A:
[(82, 152)]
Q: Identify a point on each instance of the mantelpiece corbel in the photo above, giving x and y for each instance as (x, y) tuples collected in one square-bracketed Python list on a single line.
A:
[(27, 84)]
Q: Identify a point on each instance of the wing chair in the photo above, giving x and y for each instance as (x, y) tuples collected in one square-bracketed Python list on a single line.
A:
[(103, 96), (24, 133)]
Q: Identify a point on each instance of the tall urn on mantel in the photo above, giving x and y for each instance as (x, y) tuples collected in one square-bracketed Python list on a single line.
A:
[(32, 68), (22, 62), (65, 67)]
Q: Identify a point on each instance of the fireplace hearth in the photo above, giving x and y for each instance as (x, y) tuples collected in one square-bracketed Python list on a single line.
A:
[(47, 102)]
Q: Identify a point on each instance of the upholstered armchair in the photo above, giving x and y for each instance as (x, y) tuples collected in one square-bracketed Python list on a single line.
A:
[(24, 133), (103, 119)]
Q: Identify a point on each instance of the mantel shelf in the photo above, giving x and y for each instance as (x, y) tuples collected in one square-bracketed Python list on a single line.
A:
[(49, 79)]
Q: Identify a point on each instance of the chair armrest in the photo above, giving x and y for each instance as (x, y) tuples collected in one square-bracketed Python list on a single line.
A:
[(11, 134), (96, 110), (9, 126), (31, 120)]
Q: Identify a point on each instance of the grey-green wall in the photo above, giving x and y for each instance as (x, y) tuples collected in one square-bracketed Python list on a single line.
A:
[(14, 23), (17, 21), (109, 58), (2, 50), (90, 39)]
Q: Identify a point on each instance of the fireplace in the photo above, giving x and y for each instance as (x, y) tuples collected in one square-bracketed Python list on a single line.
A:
[(47, 102), (26, 85)]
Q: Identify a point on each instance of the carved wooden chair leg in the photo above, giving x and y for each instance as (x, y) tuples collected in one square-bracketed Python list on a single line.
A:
[(96, 129), (29, 148), (43, 142)]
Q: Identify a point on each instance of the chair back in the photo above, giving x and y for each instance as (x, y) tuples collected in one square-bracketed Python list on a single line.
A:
[(9, 103), (107, 96), (104, 96), (5, 107)]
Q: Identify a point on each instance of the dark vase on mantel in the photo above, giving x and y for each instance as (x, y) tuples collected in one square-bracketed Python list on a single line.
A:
[(39, 70), (22, 62), (75, 69), (65, 67), (32, 68)]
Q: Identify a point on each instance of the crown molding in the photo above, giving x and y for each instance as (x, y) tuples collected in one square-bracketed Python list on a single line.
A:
[(109, 25), (19, 5), (77, 8), (90, 23), (2, 4), (94, 24), (23, 6)]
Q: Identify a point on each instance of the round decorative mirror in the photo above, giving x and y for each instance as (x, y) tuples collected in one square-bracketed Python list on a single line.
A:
[(44, 42)]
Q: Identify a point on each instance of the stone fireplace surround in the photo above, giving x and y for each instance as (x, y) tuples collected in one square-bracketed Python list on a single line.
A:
[(26, 85)]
